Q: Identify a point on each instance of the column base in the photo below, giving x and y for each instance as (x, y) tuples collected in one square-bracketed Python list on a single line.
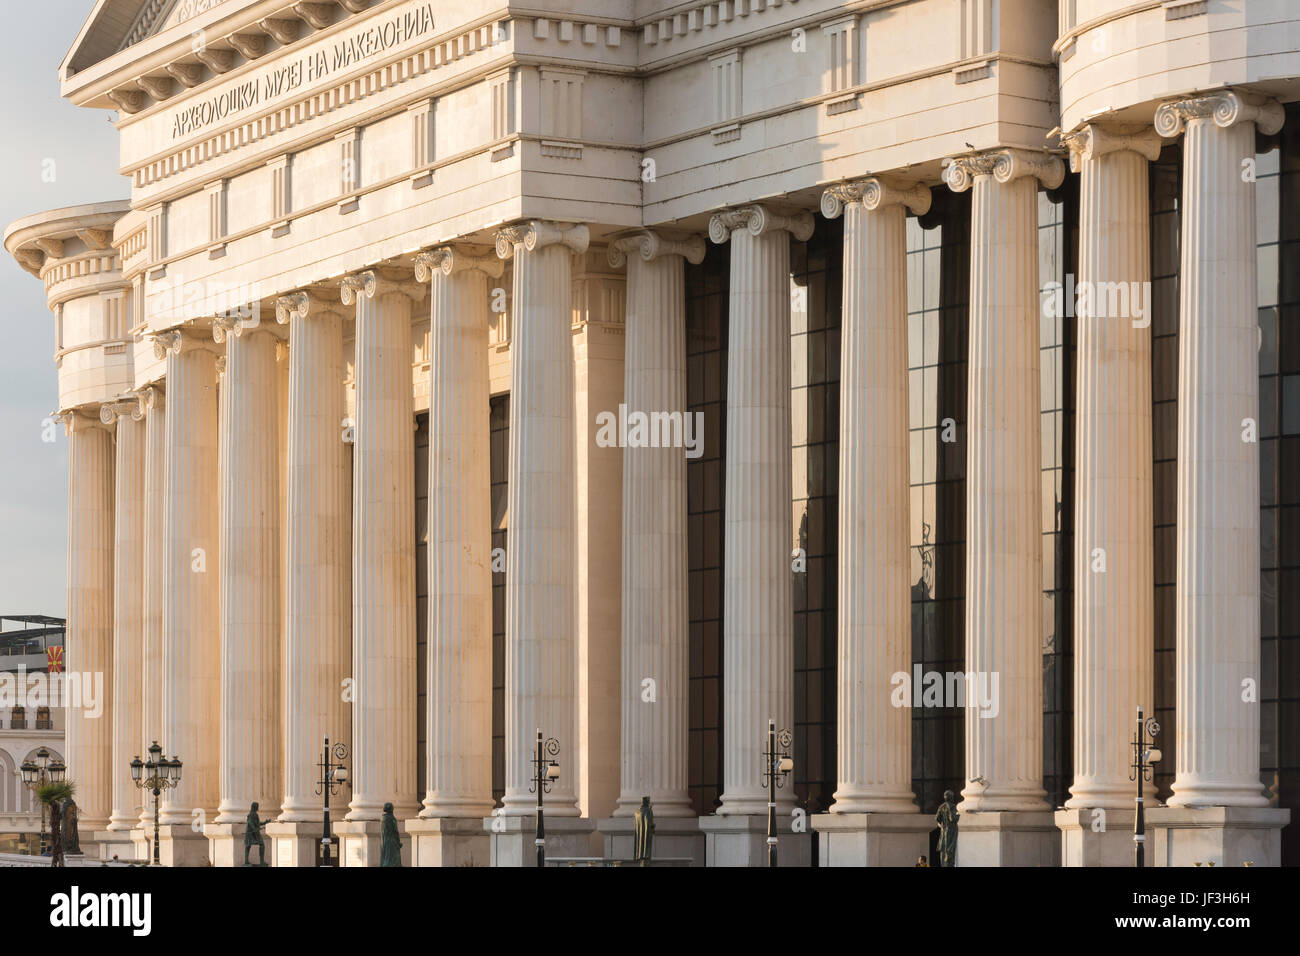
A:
[(873, 839), (677, 841), (114, 844), (511, 839), (736, 840), (226, 846), (448, 841), (361, 843), (1082, 845), (1218, 836), (1008, 838), (297, 844), (179, 845)]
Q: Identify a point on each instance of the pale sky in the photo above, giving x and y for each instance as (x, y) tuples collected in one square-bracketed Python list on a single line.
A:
[(39, 125)]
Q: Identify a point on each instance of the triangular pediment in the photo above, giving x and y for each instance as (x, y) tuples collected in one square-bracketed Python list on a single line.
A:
[(117, 25)]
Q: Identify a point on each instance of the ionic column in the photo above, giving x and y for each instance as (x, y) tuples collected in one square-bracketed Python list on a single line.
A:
[(758, 640), (128, 602), (90, 617), (383, 549), (191, 636), (540, 555), (655, 599), (155, 475), (1217, 562), (1003, 480), (249, 565), (1113, 598), (318, 525), (459, 697), (875, 602)]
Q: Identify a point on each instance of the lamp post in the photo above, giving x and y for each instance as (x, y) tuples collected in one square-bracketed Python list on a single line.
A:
[(38, 774), (777, 765), (155, 775), (1144, 756), (332, 775), (545, 772)]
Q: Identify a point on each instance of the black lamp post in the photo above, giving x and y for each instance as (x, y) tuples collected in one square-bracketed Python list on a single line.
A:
[(37, 774), (777, 765), (1145, 755), (332, 775), (155, 775), (545, 772)]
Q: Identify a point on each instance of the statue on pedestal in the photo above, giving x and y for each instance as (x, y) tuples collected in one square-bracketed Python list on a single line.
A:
[(947, 820), (253, 836), (390, 844), (644, 822)]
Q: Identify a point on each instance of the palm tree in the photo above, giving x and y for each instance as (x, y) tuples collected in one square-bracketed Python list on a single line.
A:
[(56, 797)]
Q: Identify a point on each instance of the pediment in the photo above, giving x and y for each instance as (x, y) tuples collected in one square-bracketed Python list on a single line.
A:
[(116, 25)]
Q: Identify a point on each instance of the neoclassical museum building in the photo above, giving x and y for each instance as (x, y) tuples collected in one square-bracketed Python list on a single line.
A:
[(922, 376)]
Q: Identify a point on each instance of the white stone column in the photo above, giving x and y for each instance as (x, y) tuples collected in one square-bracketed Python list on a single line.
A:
[(249, 567), (875, 601), (90, 617), (540, 554), (655, 568), (1004, 758), (1113, 597), (153, 400), (128, 602), (191, 636), (758, 623), (318, 581), (459, 696), (1217, 562), (383, 551)]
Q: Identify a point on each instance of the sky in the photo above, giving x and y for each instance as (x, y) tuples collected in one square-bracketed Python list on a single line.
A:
[(39, 126)]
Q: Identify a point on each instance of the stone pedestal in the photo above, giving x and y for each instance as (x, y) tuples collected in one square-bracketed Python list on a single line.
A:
[(873, 839), (360, 842), (676, 838), (293, 844), (115, 843), (738, 840), (1082, 845), (511, 838), (1008, 838), (1224, 836), (226, 845), (449, 841), (180, 845)]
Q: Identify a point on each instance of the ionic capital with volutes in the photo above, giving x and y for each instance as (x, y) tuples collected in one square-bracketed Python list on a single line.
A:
[(650, 245), (452, 259), (1225, 107), (378, 282), (874, 193), (181, 340), (758, 219), (538, 234), (1093, 141), (1004, 165), (130, 405)]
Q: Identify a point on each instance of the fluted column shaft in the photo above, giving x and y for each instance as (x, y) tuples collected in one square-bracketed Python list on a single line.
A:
[(250, 574), (155, 478), (758, 648), (1003, 539), (874, 752), (1113, 597), (383, 553), (1217, 560), (191, 636), (90, 618), (655, 568), (459, 698), (318, 523), (541, 551), (128, 605)]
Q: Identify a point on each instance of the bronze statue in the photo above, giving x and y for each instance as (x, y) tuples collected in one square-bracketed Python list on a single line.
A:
[(390, 846), (56, 833), (643, 819), (947, 820), (71, 838), (253, 836)]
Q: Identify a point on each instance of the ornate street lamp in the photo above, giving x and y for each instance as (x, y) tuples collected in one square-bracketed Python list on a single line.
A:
[(545, 773), (155, 775), (1145, 755), (35, 775), (777, 765), (332, 775)]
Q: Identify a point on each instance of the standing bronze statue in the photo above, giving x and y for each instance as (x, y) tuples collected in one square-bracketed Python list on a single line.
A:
[(643, 819), (56, 833), (71, 838), (253, 836), (947, 820), (390, 846)]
